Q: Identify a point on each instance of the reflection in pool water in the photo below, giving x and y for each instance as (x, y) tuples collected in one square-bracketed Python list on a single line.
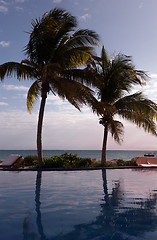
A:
[(81, 205)]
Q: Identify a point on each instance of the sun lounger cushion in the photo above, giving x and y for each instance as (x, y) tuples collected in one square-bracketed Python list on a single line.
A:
[(10, 160), (145, 161)]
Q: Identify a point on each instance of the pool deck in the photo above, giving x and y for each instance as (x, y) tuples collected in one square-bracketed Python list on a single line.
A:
[(76, 169)]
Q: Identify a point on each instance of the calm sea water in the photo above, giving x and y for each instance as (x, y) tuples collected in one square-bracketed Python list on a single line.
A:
[(111, 154), (118, 204)]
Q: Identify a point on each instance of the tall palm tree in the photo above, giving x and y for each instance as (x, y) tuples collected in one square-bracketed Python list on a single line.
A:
[(114, 79), (55, 47)]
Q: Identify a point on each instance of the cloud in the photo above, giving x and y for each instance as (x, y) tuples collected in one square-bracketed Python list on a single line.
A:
[(3, 104), (62, 130), (19, 8), (150, 89), (52, 99), (18, 130), (15, 87), (153, 75), (3, 9), (4, 44), (57, 1), (65, 130), (85, 16), (3, 2)]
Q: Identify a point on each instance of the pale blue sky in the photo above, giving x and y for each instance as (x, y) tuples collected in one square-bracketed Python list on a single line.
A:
[(125, 26)]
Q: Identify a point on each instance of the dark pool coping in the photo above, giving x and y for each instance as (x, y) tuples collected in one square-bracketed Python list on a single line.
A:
[(73, 169)]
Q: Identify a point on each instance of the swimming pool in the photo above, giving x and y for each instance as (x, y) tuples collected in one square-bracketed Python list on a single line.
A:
[(79, 205)]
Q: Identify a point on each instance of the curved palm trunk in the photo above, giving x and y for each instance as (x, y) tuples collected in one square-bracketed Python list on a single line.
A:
[(39, 128), (103, 154)]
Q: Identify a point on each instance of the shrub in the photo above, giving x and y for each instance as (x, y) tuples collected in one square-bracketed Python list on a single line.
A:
[(69, 159), (66, 160), (82, 162), (121, 162), (130, 163), (31, 160), (53, 162)]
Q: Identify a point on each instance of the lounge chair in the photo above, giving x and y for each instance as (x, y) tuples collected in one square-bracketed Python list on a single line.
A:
[(13, 160), (145, 161)]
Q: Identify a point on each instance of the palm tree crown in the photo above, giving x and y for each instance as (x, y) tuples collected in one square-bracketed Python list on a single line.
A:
[(55, 47), (115, 79)]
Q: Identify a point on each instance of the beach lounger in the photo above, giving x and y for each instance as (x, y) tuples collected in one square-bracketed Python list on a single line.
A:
[(146, 161), (11, 160)]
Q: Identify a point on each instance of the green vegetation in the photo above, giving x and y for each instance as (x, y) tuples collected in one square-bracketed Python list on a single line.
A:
[(66, 160), (69, 160), (31, 160)]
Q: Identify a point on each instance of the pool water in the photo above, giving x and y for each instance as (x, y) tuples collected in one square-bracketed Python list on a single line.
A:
[(118, 204)]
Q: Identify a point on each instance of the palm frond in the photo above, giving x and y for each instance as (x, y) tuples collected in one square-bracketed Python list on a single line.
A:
[(116, 130), (21, 71), (123, 68), (119, 77), (75, 49), (139, 110), (85, 76), (27, 62), (76, 93), (33, 94), (138, 103), (75, 57), (84, 37), (104, 59), (142, 121), (60, 15), (48, 31)]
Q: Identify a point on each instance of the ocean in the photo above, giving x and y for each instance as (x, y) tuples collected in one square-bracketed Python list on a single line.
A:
[(111, 154)]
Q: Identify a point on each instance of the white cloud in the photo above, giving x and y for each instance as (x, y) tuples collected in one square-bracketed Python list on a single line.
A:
[(57, 1), (55, 99), (15, 87), (85, 16), (18, 130), (153, 75), (3, 104), (150, 89), (64, 130), (70, 131), (19, 8), (3, 2), (4, 44), (3, 9)]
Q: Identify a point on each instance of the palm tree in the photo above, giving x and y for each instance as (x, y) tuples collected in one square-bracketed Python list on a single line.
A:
[(53, 50), (114, 79)]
